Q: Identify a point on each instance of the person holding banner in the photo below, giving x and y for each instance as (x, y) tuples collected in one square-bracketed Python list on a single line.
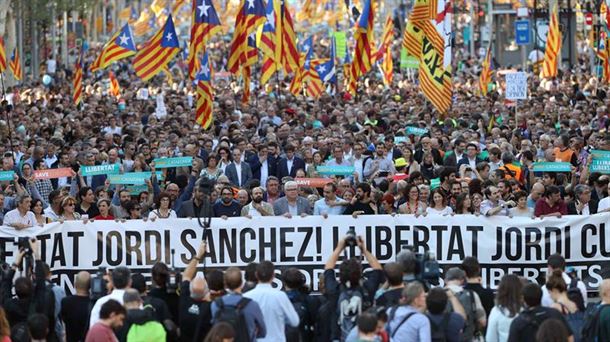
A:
[(104, 210), (21, 217), (162, 208), (67, 210), (551, 204)]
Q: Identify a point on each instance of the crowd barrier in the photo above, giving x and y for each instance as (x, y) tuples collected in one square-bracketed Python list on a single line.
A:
[(503, 245)]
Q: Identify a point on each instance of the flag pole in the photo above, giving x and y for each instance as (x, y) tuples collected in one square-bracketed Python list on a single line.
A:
[(8, 123)]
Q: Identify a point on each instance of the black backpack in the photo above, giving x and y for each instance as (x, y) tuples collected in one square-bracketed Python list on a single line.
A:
[(233, 315), (438, 330), (575, 295), (303, 331), (590, 328)]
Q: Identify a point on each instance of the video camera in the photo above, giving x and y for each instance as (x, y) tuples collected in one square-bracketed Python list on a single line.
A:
[(98, 284), (427, 269), (351, 239)]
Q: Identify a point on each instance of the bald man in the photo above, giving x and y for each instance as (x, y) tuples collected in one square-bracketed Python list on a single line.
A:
[(75, 309), (535, 194)]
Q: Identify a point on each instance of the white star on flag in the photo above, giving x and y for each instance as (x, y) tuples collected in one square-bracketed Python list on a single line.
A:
[(124, 39), (169, 36), (205, 70), (203, 8), (271, 20), (250, 3), (321, 69), (306, 48)]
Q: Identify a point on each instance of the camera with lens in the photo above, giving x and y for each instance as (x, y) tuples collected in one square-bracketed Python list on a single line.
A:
[(350, 237), (98, 284), (174, 277), (427, 269), (23, 243)]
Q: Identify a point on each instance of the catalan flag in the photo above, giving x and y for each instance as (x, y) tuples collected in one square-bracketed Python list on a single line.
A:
[(115, 89), (77, 82), (15, 65), (157, 52), (250, 16), (271, 41), (205, 98), (290, 53), (2, 55), (326, 70), (386, 39), (121, 45), (553, 47), (205, 24), (486, 73), (145, 23), (364, 37)]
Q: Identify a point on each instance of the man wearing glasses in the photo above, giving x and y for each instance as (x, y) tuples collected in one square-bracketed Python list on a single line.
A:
[(292, 204)]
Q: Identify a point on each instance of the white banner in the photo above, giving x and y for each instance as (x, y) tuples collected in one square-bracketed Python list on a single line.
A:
[(502, 245)]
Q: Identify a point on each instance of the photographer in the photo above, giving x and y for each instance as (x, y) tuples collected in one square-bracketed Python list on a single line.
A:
[(351, 294), (163, 289), (121, 280), (31, 298), (195, 315)]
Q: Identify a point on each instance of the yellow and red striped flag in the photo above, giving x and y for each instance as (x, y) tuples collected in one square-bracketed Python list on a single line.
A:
[(271, 41), (205, 98), (387, 67), (486, 73), (290, 52), (121, 45), (553, 47), (157, 52), (115, 89), (15, 65), (2, 55), (386, 39), (250, 16), (364, 37), (77, 82), (205, 24)]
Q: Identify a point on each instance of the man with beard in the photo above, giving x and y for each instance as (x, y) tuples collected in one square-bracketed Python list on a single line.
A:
[(119, 211), (257, 207), (227, 206)]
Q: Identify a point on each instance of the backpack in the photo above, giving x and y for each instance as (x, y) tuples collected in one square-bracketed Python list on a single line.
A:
[(575, 295), (303, 331), (438, 330), (466, 298), (352, 302), (233, 315), (147, 332), (590, 327), (392, 333)]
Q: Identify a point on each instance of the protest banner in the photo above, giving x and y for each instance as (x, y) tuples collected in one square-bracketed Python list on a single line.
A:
[(7, 175), (165, 163), (552, 167), (516, 86), (53, 173), (94, 170), (503, 245), (313, 182), (335, 170), (600, 162), (416, 131), (133, 178)]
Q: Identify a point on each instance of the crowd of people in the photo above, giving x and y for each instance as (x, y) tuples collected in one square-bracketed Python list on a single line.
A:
[(404, 158)]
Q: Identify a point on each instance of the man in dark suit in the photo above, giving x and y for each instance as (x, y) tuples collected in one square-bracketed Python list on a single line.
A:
[(454, 156), (289, 165), (238, 172), (470, 158), (582, 204), (262, 164), (196, 207)]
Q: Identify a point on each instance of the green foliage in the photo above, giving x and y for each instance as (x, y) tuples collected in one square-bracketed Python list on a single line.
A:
[(41, 9)]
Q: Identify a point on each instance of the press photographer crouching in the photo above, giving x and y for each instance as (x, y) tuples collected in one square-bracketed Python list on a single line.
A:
[(32, 296), (352, 294)]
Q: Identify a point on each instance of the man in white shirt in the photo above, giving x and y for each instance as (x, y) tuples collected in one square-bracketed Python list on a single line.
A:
[(21, 217), (121, 280), (276, 307), (358, 160), (557, 262)]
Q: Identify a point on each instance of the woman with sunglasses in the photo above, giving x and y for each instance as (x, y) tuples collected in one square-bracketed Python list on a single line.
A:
[(67, 210)]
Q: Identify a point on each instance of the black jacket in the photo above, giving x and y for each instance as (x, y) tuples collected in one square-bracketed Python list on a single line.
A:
[(592, 207)]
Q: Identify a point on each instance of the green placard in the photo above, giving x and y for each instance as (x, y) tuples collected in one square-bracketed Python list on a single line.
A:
[(133, 178), (335, 170), (552, 167), (407, 61), (165, 163), (435, 183), (416, 131), (341, 43), (399, 139), (95, 170), (600, 162), (135, 190), (7, 175)]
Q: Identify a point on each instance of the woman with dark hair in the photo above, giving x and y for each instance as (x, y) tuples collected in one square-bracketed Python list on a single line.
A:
[(225, 158), (572, 311), (412, 205), (508, 305), (86, 204), (317, 161), (521, 209), (438, 203), (134, 209), (37, 209), (221, 332), (212, 171), (104, 207), (162, 205), (552, 330), (463, 204)]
